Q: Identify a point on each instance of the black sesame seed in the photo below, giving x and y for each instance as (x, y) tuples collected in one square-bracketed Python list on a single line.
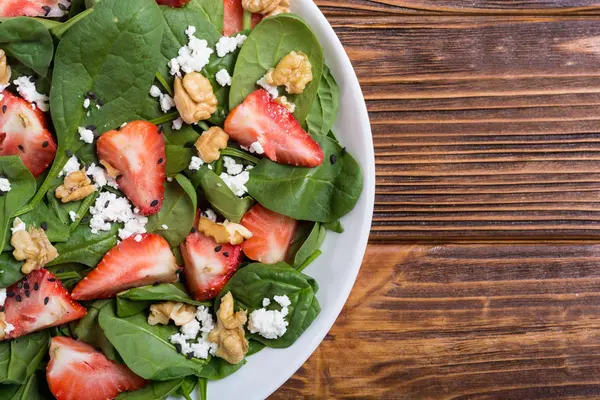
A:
[(62, 7), (18, 298), (343, 152), (91, 127), (2, 193), (107, 203), (193, 230), (4, 108), (26, 285), (100, 102), (69, 153), (91, 95), (36, 286), (44, 225), (154, 203), (189, 144), (226, 254), (118, 178), (1, 308), (27, 293), (160, 129), (33, 79), (178, 347), (46, 300), (190, 356), (85, 219), (218, 249), (160, 161), (45, 144), (332, 159), (22, 148), (47, 9), (10, 294), (51, 279), (156, 284)]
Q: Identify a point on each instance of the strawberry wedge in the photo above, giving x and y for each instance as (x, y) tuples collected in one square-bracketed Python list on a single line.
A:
[(127, 265), (77, 371), (260, 119), (34, 8), (272, 234), (137, 152), (233, 16), (208, 265), (173, 3), (24, 133), (37, 302)]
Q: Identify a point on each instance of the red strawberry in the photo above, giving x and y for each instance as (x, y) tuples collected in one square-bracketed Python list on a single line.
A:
[(137, 151), (127, 265), (33, 8), (77, 371), (23, 132), (37, 302), (233, 15), (272, 234), (260, 118), (208, 265), (173, 3)]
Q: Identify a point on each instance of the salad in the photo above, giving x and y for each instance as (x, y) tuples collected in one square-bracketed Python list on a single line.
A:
[(167, 171)]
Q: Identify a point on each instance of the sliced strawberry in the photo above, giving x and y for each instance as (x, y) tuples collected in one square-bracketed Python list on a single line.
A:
[(137, 151), (208, 265), (233, 15), (23, 132), (77, 371), (272, 234), (173, 3), (260, 119), (127, 265), (37, 302), (34, 8)]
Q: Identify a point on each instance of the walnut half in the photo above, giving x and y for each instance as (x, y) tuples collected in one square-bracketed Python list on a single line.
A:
[(5, 71), (194, 98), (180, 313), (229, 332), (294, 71), (210, 143), (32, 246), (226, 232), (76, 186)]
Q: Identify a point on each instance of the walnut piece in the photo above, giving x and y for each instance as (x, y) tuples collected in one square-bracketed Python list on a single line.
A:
[(5, 71), (291, 107), (76, 186), (180, 313), (32, 246), (294, 71), (229, 332), (260, 6), (282, 7), (2, 325), (226, 232), (194, 98), (210, 143), (110, 170)]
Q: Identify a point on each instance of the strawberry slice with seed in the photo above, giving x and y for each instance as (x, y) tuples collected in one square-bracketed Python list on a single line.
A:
[(260, 119), (77, 371), (34, 8), (272, 234), (37, 302), (137, 152), (208, 265), (24, 133), (129, 264)]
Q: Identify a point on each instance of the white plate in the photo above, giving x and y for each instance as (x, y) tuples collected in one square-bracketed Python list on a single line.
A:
[(336, 269)]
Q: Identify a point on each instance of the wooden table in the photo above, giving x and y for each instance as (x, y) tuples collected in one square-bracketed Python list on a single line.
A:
[(482, 279)]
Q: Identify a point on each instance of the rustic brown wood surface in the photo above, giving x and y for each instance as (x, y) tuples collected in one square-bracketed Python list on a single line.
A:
[(486, 126)]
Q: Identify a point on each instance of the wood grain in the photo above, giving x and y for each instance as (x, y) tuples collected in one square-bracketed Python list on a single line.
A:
[(463, 322)]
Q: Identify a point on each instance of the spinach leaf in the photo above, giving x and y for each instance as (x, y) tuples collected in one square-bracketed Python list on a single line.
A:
[(20, 357), (178, 158), (70, 274), (60, 209), (63, 27), (221, 92), (10, 269), (57, 230), (187, 387), (322, 194), (133, 337), (22, 189), (217, 368), (34, 388), (335, 226), (29, 42), (154, 391), (132, 301), (186, 136), (251, 284), (85, 247), (220, 197), (325, 107), (213, 9), (89, 331), (270, 41), (176, 216), (312, 243)]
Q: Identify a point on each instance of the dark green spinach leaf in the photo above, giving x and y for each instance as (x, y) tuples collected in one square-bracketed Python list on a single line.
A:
[(20, 357), (34, 388), (57, 230), (85, 247), (217, 368), (325, 107), (132, 301), (213, 9), (335, 226), (10, 269), (312, 243), (89, 331), (154, 391), (178, 158), (29, 42)]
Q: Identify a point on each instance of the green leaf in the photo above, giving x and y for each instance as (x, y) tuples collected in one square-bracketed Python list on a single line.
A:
[(221, 92), (146, 349), (323, 194), (217, 368), (176, 216), (29, 42), (10, 269), (251, 284), (266, 45), (132, 301), (61, 29), (178, 158), (85, 247), (89, 331), (220, 197), (57, 230), (312, 243), (34, 388), (335, 226), (154, 391), (70, 274), (325, 107), (20, 357), (186, 136), (213, 9), (22, 189), (187, 387)]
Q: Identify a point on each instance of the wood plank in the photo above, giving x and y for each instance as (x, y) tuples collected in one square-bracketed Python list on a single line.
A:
[(463, 322), (485, 127)]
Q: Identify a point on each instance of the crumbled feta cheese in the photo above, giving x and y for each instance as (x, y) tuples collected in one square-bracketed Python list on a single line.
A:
[(164, 226), (169, 179), (188, 342), (227, 45), (8, 328), (71, 166), (269, 324), (18, 225), (85, 135), (210, 214), (196, 163), (73, 215), (192, 57), (166, 101), (232, 167), (223, 77), (191, 329), (110, 208), (4, 185), (2, 297), (26, 88), (137, 238), (209, 167), (266, 302), (257, 148), (98, 106), (262, 82), (236, 177), (204, 316), (283, 301), (155, 91), (177, 124), (123, 125), (86, 103), (100, 177)]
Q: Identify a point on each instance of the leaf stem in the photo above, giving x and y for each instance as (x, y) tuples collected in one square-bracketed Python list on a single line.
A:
[(202, 388), (203, 125), (160, 78), (59, 30), (165, 118), (83, 209), (230, 151), (247, 20), (309, 260)]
